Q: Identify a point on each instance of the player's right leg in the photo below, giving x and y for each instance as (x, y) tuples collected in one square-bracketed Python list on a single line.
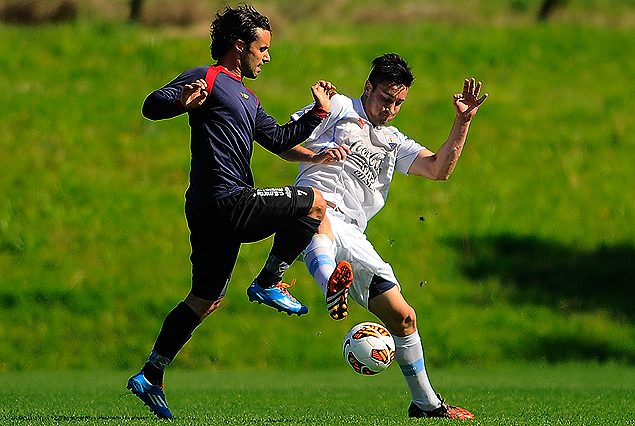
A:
[(333, 279), (400, 319), (278, 297), (337, 290), (293, 215)]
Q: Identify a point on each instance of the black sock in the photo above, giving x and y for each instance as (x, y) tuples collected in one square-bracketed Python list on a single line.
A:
[(267, 279), (153, 374), (176, 331)]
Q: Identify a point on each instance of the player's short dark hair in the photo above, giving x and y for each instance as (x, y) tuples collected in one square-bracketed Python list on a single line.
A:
[(392, 69), (240, 23)]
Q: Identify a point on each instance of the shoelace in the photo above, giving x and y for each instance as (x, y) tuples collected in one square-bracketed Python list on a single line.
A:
[(443, 404), (283, 289)]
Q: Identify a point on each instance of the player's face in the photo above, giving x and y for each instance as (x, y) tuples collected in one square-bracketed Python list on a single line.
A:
[(256, 54), (383, 102)]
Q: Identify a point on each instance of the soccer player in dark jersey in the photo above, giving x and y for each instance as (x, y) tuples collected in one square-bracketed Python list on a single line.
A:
[(222, 207)]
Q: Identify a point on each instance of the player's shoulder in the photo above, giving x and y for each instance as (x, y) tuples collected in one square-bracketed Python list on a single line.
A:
[(341, 101), (197, 72), (396, 135), (392, 129), (341, 106)]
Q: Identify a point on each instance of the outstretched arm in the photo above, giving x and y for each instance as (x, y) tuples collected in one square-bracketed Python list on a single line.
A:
[(440, 165)]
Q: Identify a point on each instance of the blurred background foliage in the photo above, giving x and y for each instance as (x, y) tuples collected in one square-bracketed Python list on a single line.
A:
[(526, 253)]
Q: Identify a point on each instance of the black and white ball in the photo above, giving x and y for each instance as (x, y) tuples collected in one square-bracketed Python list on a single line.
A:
[(368, 348)]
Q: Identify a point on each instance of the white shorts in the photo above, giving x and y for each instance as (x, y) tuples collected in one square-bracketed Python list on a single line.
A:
[(353, 246)]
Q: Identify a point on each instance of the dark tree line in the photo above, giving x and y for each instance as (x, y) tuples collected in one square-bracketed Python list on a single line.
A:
[(546, 9), (135, 9), (25, 11)]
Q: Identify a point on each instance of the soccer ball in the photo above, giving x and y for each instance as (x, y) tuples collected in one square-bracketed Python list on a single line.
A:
[(368, 348)]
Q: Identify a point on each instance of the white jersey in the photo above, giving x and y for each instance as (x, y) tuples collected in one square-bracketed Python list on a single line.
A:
[(358, 186)]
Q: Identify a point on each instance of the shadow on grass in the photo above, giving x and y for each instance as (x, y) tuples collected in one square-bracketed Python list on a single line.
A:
[(566, 279), (552, 274)]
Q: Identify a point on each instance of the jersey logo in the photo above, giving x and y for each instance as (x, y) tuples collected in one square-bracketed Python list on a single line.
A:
[(244, 95)]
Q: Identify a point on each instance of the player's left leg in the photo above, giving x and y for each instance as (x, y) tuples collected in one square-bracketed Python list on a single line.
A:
[(211, 270), (400, 319)]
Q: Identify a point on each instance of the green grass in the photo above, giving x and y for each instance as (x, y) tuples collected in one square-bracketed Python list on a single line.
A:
[(524, 254), (577, 394)]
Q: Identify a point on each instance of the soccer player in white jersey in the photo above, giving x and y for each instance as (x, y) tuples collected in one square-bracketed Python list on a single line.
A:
[(351, 157)]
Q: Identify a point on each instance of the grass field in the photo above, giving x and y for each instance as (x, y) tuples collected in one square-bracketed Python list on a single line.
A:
[(527, 395)]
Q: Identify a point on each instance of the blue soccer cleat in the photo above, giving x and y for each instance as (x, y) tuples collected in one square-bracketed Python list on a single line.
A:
[(277, 297), (152, 396)]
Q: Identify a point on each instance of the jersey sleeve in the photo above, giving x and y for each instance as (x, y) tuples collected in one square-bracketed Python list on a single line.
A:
[(329, 120), (406, 153), (277, 138), (165, 102)]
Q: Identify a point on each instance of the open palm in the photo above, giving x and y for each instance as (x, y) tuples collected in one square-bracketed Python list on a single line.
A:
[(467, 103)]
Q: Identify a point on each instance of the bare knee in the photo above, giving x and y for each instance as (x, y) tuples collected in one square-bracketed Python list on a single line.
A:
[(318, 209), (409, 322), (396, 314), (404, 322), (211, 309), (325, 228), (202, 307)]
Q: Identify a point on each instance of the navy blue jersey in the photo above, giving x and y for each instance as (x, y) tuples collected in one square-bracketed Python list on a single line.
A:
[(223, 131)]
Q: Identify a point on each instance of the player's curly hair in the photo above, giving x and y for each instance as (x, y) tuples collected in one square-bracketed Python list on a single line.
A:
[(390, 68), (240, 23)]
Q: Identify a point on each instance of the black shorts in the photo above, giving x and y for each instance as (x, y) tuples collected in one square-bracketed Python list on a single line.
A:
[(217, 230)]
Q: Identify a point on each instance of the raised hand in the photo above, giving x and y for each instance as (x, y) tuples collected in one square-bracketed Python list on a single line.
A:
[(467, 103), (323, 91)]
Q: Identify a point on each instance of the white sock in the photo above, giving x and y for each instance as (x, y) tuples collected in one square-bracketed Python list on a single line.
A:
[(409, 356), (319, 258)]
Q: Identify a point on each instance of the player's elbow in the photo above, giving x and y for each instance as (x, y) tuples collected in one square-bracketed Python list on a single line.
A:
[(155, 107), (148, 111), (437, 174), (432, 167), (442, 177), (287, 155), (443, 172)]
